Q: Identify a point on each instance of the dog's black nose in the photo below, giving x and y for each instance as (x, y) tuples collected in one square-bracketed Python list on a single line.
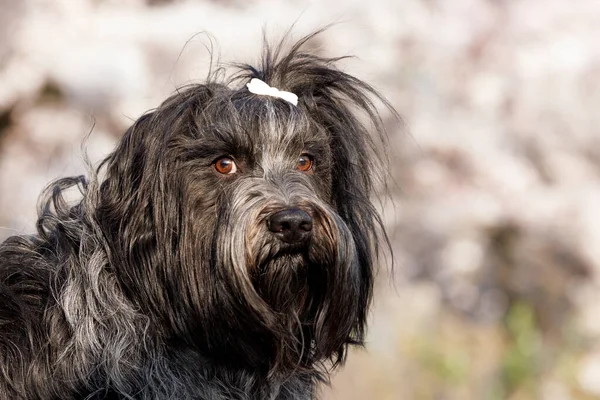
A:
[(291, 225)]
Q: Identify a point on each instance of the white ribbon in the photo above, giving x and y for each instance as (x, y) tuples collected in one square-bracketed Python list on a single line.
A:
[(257, 86)]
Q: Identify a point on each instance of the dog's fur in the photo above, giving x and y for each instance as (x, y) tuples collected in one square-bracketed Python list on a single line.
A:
[(165, 282)]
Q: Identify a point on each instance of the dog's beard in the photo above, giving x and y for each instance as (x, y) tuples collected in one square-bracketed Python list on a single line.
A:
[(282, 283)]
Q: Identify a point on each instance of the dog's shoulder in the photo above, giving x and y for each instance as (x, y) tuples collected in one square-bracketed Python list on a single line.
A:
[(25, 275), (24, 286), (24, 294)]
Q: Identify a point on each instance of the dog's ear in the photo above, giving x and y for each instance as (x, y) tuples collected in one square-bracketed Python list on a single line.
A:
[(138, 209), (135, 163)]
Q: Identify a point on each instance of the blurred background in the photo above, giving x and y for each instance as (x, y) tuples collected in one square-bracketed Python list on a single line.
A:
[(494, 213)]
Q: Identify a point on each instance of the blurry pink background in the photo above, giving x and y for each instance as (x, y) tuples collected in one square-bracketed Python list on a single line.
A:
[(495, 206)]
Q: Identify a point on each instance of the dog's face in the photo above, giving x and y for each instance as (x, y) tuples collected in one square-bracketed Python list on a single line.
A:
[(241, 224)]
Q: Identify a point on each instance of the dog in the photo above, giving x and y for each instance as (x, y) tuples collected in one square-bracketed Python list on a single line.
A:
[(226, 249)]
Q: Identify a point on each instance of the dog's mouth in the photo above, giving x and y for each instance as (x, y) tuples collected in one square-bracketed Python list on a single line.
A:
[(291, 249), (287, 261), (283, 281)]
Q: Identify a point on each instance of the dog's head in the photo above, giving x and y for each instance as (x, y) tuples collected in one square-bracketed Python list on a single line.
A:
[(241, 223)]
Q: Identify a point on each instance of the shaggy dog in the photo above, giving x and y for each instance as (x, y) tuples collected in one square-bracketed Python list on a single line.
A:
[(224, 250)]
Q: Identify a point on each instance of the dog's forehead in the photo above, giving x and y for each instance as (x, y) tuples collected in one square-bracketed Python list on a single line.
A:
[(281, 124), (272, 126)]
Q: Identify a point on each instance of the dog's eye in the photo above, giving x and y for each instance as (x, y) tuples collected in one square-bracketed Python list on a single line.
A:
[(305, 162), (226, 166)]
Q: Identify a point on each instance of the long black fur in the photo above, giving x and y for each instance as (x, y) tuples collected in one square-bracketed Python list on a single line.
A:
[(164, 281)]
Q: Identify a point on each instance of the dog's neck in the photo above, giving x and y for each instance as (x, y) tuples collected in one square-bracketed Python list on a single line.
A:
[(212, 377)]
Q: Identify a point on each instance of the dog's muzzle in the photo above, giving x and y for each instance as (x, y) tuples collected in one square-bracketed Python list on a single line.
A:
[(292, 225)]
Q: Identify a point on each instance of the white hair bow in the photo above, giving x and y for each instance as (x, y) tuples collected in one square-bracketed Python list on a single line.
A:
[(257, 86)]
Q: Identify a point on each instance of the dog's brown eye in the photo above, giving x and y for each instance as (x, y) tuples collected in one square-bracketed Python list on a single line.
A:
[(305, 162), (225, 165)]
